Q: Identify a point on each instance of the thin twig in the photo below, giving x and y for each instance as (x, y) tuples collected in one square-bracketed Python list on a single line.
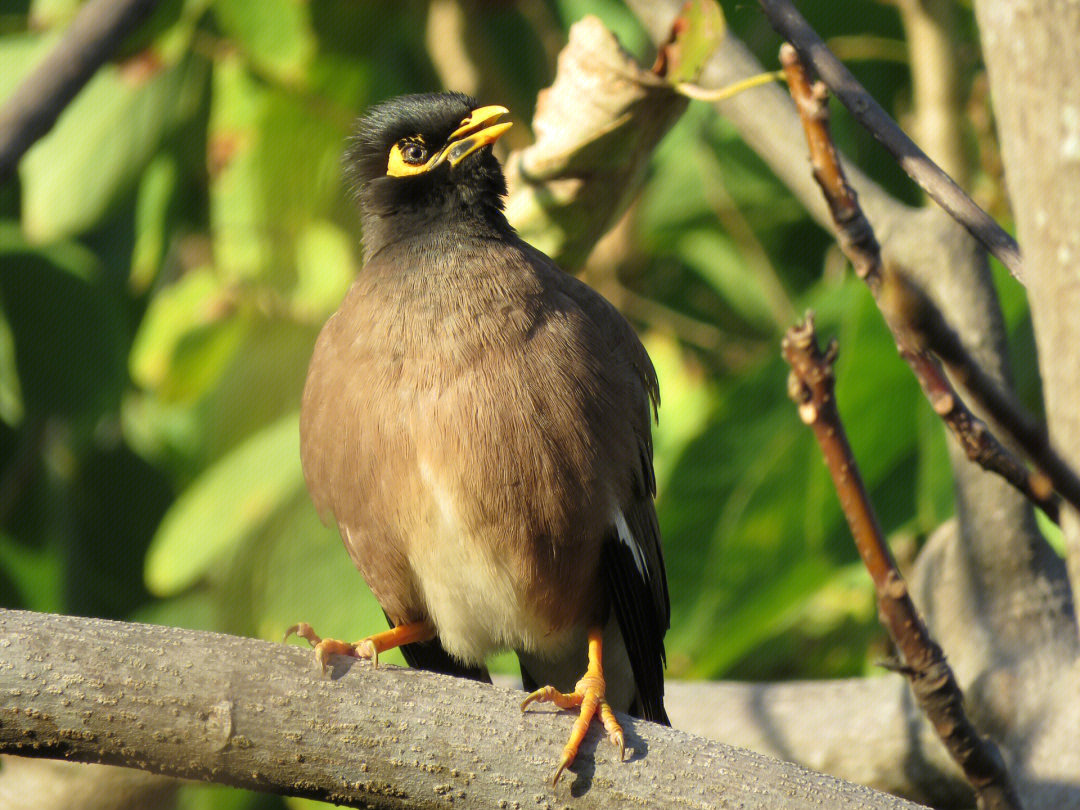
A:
[(811, 385), (929, 329), (864, 108), (856, 238), (713, 95), (94, 34)]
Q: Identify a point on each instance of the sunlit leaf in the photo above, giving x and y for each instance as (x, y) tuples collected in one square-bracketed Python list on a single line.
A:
[(274, 167), (73, 175), (217, 368), (275, 34), (11, 401), (686, 402), (186, 337), (227, 504), (157, 187), (19, 54), (695, 40), (325, 266), (45, 14)]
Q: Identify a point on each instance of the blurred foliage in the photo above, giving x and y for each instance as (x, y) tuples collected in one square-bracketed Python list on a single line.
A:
[(170, 250)]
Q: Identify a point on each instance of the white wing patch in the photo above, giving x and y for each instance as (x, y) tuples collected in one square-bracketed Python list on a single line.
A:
[(627, 537)]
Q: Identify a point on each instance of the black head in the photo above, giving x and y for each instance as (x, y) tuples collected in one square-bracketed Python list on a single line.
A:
[(418, 162)]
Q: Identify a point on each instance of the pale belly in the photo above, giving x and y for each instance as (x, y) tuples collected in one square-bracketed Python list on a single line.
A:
[(476, 600)]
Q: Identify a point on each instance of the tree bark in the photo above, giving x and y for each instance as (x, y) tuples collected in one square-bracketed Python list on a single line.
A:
[(1029, 47), (994, 593), (260, 715)]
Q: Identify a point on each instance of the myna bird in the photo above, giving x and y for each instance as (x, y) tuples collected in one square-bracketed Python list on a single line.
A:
[(477, 422)]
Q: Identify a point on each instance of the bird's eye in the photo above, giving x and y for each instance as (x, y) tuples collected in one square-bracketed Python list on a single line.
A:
[(407, 156), (413, 153)]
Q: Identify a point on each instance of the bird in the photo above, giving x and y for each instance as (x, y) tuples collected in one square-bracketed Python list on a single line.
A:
[(478, 424)]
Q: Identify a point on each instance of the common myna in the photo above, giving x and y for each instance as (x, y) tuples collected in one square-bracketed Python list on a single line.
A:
[(477, 422)]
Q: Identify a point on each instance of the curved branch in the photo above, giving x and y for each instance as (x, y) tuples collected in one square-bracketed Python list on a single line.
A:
[(97, 30), (1005, 561), (260, 715), (864, 108)]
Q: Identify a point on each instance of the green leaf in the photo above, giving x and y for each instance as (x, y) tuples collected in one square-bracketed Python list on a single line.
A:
[(275, 34), (226, 505), (157, 187), (19, 54), (36, 573), (695, 40), (11, 399), (751, 521), (276, 168), (713, 255), (215, 366), (186, 339), (763, 612), (66, 327), (687, 402), (46, 14), (263, 380), (305, 574), (325, 266), (97, 149)]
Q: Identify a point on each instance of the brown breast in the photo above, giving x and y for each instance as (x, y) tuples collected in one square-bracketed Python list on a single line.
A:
[(497, 402)]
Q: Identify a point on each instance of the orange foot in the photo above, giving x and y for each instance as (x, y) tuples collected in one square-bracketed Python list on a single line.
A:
[(368, 648), (589, 695)]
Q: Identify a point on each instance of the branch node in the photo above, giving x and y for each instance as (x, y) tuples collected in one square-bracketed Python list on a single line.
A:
[(919, 328), (929, 675)]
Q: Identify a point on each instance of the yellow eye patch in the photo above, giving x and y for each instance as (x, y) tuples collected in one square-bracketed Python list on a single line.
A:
[(408, 156)]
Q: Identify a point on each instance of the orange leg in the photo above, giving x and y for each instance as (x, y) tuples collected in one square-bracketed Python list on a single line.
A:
[(589, 695), (369, 647)]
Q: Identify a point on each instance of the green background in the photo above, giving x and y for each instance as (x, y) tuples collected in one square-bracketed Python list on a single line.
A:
[(170, 250)]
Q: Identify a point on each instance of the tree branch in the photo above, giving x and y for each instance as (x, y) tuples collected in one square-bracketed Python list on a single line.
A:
[(857, 239), (259, 715), (929, 329), (1036, 88), (864, 108), (811, 385), (98, 28), (992, 589)]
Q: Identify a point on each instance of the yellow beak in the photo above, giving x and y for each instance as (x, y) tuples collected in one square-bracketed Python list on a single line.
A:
[(477, 130)]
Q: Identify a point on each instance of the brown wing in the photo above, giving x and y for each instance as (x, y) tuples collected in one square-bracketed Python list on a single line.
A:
[(632, 558)]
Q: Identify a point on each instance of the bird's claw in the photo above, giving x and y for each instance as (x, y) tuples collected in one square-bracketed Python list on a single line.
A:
[(365, 648), (326, 647), (588, 694)]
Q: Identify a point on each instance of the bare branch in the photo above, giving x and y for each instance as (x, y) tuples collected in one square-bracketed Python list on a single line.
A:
[(859, 244), (97, 30), (929, 329), (260, 715), (864, 108), (811, 386), (1006, 590)]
